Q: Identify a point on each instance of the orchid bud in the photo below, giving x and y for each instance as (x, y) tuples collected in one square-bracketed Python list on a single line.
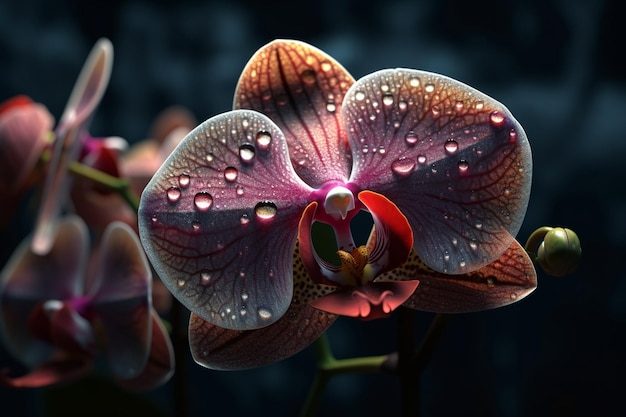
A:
[(559, 252)]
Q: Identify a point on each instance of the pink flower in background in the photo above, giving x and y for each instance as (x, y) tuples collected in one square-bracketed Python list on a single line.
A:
[(60, 310)]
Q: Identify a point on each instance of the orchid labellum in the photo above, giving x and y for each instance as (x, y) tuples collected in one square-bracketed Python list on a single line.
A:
[(442, 171)]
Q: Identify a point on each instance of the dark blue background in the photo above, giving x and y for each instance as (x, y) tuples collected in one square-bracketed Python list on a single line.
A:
[(556, 65)]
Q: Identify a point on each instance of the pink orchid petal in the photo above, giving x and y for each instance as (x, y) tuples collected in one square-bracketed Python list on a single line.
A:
[(29, 279), (371, 301), (301, 89), (223, 349), (454, 160), (393, 238), (48, 374), (86, 95), (160, 366), (121, 300), (506, 280), (219, 220), (23, 136)]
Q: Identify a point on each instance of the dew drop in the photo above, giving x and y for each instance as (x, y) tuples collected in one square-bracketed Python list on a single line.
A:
[(230, 174), (308, 76), (209, 157), (403, 166), (512, 136), (387, 99), (246, 152), (244, 219), (265, 210), (183, 180), (496, 118), (173, 194), (203, 201), (479, 226), (463, 166), (154, 218), (414, 82), (473, 245), (263, 140), (359, 95), (326, 66), (410, 138), (331, 107), (451, 146), (264, 313), (491, 281), (459, 105), (421, 159), (436, 111), (244, 297), (429, 88), (181, 283), (479, 105), (205, 277), (513, 296)]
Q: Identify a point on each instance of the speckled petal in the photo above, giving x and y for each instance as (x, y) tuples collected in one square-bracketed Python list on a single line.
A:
[(506, 280), (301, 89), (219, 220), (454, 160), (224, 349)]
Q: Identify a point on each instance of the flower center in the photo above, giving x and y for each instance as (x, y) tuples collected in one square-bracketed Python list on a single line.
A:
[(339, 201)]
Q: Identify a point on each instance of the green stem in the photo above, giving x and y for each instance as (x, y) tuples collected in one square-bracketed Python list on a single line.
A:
[(327, 366), (120, 185)]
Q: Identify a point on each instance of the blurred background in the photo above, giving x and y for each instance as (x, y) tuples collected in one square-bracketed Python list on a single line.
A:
[(557, 65)]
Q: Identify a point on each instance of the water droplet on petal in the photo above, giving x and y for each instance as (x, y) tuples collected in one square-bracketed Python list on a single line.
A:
[(497, 118), (463, 166), (459, 105), (244, 297), (403, 166), (414, 82), (436, 111), (512, 136), (203, 201), (183, 180), (411, 138), (421, 159), (387, 99), (265, 210), (205, 277), (326, 66), (473, 244), (331, 107), (451, 146), (491, 281), (264, 313), (181, 283), (246, 152), (239, 190), (244, 219), (308, 76), (173, 194), (429, 88), (359, 95), (230, 174), (263, 140)]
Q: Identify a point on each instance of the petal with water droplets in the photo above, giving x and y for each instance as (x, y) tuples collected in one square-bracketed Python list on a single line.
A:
[(219, 220), (121, 300), (225, 349), (506, 280), (29, 279), (301, 89), (454, 160)]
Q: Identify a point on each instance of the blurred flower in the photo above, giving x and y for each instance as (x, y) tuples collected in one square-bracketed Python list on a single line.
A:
[(441, 171), (24, 130), (59, 310)]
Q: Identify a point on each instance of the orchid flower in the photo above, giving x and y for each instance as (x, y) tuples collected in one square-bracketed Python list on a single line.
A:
[(24, 130), (58, 310), (231, 221)]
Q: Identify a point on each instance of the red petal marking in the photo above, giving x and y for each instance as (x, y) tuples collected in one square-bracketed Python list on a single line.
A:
[(504, 281), (301, 89), (370, 301), (454, 160), (393, 234), (48, 374)]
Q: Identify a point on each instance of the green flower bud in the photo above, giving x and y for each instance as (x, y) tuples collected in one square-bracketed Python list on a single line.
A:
[(560, 251)]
